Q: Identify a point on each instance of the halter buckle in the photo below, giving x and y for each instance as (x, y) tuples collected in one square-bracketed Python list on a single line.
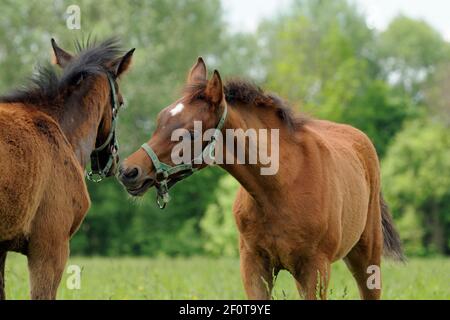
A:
[(110, 142), (94, 177), (162, 200)]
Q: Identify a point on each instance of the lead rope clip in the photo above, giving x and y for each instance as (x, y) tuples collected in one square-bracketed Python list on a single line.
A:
[(162, 196), (94, 177)]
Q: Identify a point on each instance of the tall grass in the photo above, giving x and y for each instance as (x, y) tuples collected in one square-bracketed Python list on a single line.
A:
[(206, 278)]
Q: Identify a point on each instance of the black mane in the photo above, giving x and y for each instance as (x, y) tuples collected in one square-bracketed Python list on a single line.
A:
[(246, 93), (47, 84)]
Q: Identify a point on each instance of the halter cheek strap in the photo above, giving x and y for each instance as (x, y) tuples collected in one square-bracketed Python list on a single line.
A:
[(165, 173), (99, 174)]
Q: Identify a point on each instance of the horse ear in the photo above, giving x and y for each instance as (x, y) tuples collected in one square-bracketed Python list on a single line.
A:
[(214, 89), (198, 72), (60, 57), (124, 63)]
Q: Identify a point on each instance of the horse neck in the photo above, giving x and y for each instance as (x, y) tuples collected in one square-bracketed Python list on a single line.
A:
[(261, 187), (80, 125)]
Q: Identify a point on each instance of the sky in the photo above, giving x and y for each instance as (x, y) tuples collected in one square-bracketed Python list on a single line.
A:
[(244, 15)]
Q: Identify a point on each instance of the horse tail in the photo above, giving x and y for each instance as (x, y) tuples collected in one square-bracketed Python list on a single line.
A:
[(392, 246)]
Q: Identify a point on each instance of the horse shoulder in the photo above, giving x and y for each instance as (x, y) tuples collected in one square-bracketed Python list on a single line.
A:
[(73, 201), (64, 194)]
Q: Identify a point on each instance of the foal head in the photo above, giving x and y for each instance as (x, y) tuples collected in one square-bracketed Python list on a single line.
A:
[(91, 81), (204, 102)]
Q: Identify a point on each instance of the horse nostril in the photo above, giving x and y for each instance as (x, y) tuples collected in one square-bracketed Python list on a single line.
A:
[(132, 173)]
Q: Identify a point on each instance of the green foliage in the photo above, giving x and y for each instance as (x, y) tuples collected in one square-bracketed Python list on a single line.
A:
[(320, 55), (410, 49), (314, 49), (327, 62), (218, 225), (437, 94), (416, 175), (168, 35)]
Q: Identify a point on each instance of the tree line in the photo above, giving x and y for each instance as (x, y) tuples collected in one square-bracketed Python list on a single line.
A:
[(321, 56)]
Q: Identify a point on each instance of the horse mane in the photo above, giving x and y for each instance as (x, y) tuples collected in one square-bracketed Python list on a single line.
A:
[(238, 91), (47, 86)]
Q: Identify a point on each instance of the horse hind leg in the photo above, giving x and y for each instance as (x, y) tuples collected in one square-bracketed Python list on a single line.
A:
[(364, 266), (364, 260)]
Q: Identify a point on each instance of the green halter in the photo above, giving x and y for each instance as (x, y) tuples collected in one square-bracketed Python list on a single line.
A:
[(165, 172)]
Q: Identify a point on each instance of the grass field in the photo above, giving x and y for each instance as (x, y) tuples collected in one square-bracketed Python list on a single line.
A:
[(206, 278)]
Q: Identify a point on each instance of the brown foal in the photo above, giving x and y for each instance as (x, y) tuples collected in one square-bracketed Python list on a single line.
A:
[(323, 204), (47, 135)]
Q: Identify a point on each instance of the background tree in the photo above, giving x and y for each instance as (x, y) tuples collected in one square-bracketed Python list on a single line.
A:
[(409, 52), (320, 55), (437, 94), (417, 186), (328, 64), (218, 226)]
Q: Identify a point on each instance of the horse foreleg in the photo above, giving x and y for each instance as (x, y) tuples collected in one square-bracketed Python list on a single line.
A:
[(2, 275), (257, 276), (46, 262), (312, 276)]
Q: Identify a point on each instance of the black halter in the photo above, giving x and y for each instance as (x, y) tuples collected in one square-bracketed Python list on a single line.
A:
[(98, 174)]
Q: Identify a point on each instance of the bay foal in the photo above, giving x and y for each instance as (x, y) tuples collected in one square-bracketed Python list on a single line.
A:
[(323, 204), (47, 136)]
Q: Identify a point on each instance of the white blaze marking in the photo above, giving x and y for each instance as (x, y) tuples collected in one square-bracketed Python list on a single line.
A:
[(177, 109)]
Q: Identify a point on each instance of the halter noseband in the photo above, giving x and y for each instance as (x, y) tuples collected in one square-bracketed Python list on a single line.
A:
[(165, 172), (97, 175)]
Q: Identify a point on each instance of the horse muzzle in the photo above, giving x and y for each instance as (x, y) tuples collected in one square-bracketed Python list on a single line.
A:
[(135, 182)]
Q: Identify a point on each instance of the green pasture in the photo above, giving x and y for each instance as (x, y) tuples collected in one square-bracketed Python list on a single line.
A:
[(208, 278)]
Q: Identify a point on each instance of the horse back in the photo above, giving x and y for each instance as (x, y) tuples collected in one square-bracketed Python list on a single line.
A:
[(347, 144)]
